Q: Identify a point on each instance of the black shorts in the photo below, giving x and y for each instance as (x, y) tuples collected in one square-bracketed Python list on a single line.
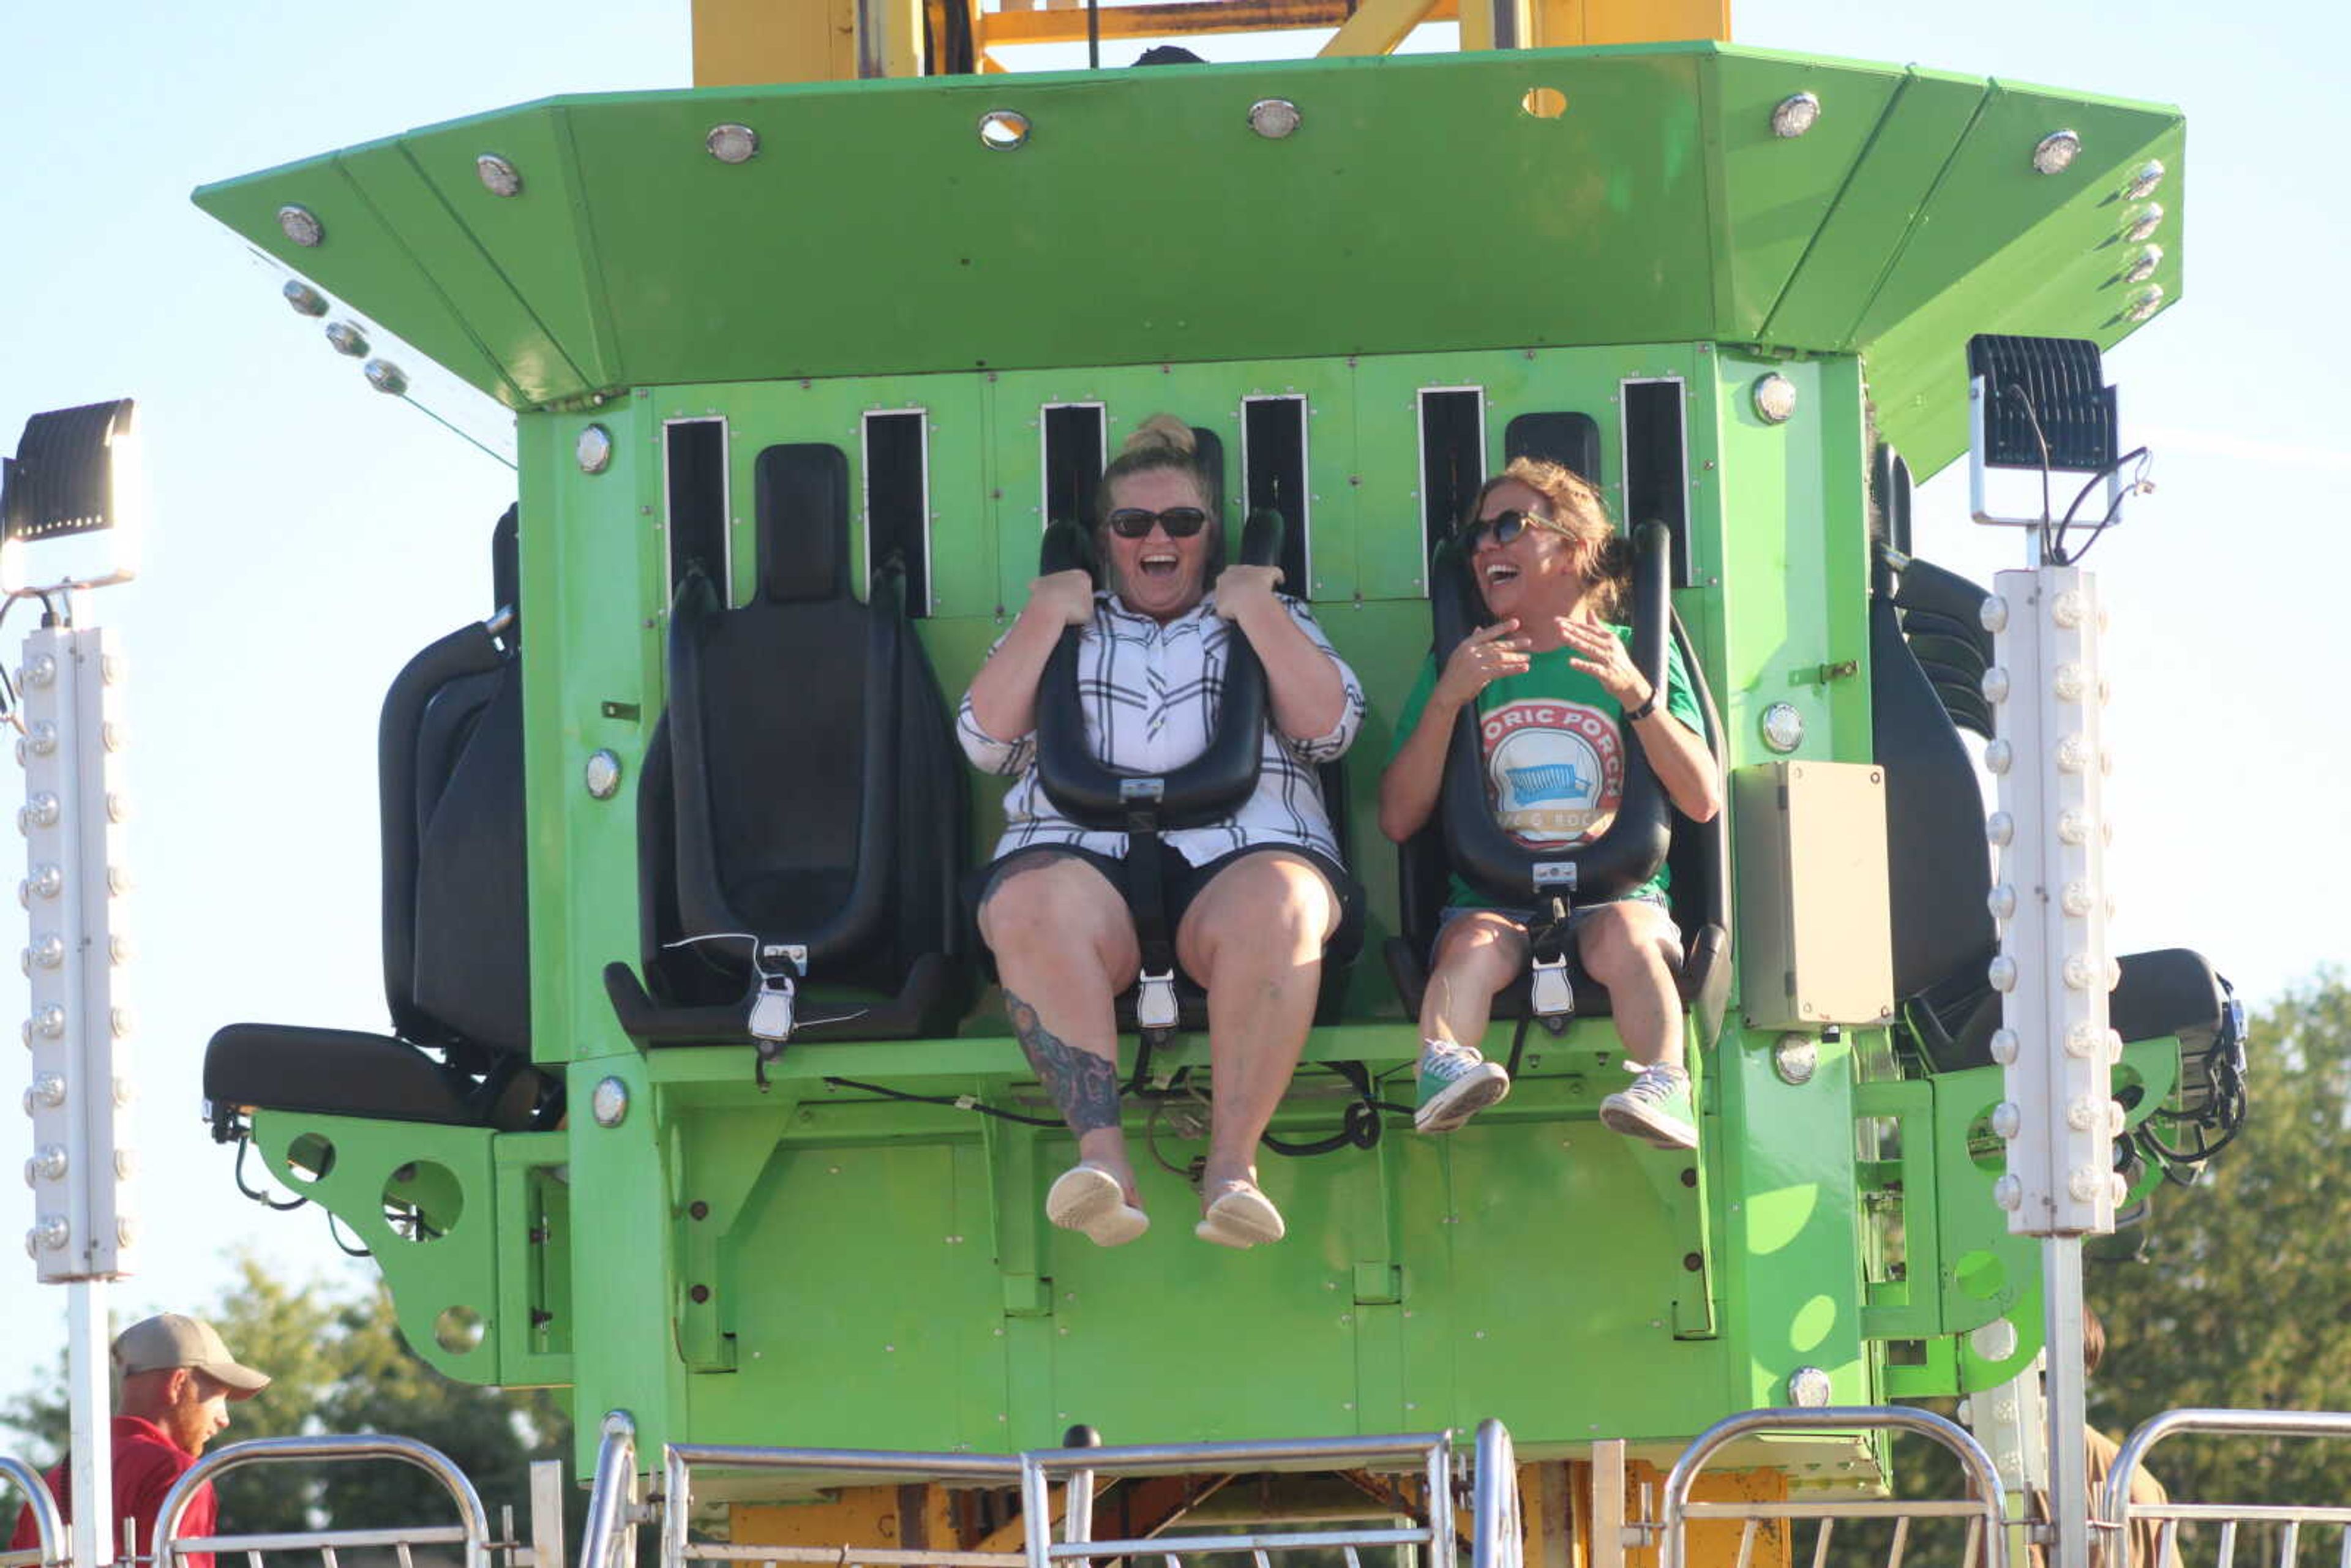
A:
[(1181, 882)]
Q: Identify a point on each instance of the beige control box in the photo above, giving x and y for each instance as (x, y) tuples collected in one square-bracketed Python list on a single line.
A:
[(1815, 939)]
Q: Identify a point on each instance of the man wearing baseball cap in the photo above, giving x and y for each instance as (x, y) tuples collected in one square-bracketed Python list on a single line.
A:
[(177, 1381)]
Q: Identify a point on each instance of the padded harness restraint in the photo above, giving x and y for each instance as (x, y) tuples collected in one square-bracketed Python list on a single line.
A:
[(1550, 880), (1212, 785)]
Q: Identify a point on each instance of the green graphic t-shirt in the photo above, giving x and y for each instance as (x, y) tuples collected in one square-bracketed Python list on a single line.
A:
[(1554, 745)]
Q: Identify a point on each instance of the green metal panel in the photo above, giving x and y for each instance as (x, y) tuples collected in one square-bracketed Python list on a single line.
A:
[(370, 263), (632, 256), (540, 240), (1912, 140), (1779, 192), (499, 319), (363, 1172)]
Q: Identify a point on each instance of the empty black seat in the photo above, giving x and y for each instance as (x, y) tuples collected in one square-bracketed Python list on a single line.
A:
[(456, 919), (1461, 835), (802, 801)]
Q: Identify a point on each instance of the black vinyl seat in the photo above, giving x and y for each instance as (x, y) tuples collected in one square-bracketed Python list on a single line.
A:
[(456, 919), (1462, 836), (844, 874), (1927, 653)]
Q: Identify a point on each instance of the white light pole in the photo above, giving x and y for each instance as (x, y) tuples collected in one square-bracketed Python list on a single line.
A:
[(2039, 404), (73, 476)]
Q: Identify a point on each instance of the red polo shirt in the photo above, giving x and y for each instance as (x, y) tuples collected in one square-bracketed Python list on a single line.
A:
[(146, 1463)]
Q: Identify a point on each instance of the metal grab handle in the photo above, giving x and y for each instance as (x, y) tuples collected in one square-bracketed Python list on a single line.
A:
[(612, 1491), (1497, 1538), (48, 1524), (1990, 1502), (473, 1527)]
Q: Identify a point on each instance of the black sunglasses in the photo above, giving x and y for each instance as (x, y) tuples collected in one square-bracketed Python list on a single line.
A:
[(1134, 523), (1504, 525)]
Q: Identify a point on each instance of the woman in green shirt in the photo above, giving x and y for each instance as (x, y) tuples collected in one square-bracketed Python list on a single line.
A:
[(1558, 698)]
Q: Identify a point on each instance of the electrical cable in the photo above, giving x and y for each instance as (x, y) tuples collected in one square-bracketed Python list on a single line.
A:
[(2041, 439), (958, 1102), (335, 1234), (245, 1142), (2138, 485)]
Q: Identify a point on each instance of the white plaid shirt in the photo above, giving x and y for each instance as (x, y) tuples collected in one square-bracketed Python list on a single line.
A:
[(1150, 694)]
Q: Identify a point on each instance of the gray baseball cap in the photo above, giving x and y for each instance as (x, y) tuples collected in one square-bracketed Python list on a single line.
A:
[(170, 1339)]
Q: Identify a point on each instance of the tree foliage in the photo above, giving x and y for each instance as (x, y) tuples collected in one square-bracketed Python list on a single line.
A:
[(2244, 1297), (340, 1365)]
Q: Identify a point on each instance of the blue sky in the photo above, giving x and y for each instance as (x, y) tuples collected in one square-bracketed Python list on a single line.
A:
[(309, 533)]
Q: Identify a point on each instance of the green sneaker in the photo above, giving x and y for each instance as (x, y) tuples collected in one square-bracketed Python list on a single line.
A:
[(1455, 1083), (1655, 1108)]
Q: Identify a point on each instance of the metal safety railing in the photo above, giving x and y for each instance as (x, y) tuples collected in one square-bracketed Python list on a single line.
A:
[(471, 1534), (613, 1511), (2115, 1512), (1498, 1535), (1077, 1472), (1428, 1453), (1984, 1509), (48, 1524), (837, 1465)]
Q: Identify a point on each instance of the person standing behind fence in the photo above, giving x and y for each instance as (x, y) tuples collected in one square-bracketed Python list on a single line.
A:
[(2099, 1452), (178, 1381), (2146, 1548)]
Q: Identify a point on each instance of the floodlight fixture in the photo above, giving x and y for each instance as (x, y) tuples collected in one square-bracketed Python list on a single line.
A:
[(76, 474)]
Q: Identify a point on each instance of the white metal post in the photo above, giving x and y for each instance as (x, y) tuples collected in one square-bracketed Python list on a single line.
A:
[(2053, 972), (82, 1233)]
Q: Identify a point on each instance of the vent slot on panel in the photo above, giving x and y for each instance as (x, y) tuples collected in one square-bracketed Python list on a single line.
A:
[(1273, 474), (1656, 465), (898, 500), (695, 468), (1570, 440), (1074, 461), (1452, 455), (1889, 486)]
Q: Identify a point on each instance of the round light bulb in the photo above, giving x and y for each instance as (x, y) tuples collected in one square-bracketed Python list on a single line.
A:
[(2055, 154), (732, 143), (1795, 115), (1273, 118), (1002, 129)]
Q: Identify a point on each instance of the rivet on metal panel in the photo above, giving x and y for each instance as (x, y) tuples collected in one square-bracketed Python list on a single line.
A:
[(1692, 1262)]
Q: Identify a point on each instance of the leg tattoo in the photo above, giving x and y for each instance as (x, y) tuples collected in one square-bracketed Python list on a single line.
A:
[(1083, 1084)]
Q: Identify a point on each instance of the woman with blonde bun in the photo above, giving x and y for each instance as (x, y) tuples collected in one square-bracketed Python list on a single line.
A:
[(1254, 897)]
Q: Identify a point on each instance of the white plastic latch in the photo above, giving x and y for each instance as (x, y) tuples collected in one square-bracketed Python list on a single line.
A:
[(771, 1009), (1553, 996), (1154, 1003)]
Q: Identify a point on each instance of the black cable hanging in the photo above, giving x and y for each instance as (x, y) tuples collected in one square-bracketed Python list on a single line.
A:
[(285, 1205)]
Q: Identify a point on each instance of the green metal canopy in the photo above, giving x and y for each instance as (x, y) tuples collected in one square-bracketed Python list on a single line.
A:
[(1419, 205)]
